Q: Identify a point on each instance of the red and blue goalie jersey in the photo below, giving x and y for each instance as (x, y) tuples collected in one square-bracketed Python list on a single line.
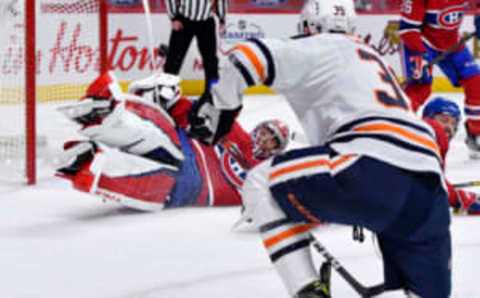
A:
[(210, 175), (435, 22)]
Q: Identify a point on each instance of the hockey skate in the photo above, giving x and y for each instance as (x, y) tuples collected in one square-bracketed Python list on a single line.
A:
[(473, 144), (319, 288)]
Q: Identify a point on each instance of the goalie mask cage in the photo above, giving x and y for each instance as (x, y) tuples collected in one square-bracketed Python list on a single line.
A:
[(49, 51)]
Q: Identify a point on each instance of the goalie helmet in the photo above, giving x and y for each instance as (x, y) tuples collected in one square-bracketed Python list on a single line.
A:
[(320, 16), (269, 138)]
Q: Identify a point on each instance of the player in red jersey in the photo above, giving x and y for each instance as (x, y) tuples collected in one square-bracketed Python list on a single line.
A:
[(443, 116), (139, 155), (428, 28)]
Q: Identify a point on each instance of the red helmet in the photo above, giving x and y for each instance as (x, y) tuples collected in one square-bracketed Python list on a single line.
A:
[(270, 137)]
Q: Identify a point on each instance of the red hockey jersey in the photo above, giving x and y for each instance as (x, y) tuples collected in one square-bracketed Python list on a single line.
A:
[(435, 22), (223, 167), (443, 144)]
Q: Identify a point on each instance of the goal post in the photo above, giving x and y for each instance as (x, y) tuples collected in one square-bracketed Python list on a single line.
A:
[(49, 51)]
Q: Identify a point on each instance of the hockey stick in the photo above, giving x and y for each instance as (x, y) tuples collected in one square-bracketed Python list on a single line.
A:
[(352, 281), (149, 27), (467, 184), (442, 56)]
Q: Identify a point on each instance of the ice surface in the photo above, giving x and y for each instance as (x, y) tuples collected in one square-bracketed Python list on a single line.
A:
[(56, 242)]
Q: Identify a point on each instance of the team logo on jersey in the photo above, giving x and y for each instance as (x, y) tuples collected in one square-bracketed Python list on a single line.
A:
[(451, 18), (232, 170)]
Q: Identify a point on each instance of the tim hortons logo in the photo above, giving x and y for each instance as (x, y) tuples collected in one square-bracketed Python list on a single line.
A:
[(71, 52), (124, 52)]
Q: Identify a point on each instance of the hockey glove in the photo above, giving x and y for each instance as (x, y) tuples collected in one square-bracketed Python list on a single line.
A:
[(208, 123), (88, 111), (469, 202), (160, 88), (477, 26), (418, 66)]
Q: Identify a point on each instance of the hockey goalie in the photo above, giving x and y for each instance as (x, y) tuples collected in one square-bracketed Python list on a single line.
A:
[(137, 151)]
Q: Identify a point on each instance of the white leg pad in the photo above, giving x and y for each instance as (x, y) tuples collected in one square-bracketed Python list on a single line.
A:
[(129, 132), (127, 179)]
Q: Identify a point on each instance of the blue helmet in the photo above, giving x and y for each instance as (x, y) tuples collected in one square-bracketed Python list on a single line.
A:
[(441, 105)]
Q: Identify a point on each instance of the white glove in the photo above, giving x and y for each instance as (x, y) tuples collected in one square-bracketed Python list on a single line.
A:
[(160, 88)]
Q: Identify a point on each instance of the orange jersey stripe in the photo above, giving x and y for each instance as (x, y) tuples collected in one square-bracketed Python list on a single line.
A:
[(253, 59), (391, 128), (287, 234), (310, 164)]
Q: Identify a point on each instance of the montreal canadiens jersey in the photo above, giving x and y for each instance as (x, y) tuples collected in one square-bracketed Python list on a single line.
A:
[(342, 92), (220, 169), (434, 22)]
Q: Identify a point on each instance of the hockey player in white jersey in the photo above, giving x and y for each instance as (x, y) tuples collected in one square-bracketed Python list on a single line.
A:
[(372, 163)]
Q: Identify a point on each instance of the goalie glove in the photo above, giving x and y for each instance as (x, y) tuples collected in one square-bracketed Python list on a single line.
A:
[(208, 123), (469, 203), (88, 111), (160, 88)]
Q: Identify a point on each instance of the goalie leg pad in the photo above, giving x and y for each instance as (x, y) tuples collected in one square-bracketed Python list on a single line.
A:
[(138, 128), (127, 179)]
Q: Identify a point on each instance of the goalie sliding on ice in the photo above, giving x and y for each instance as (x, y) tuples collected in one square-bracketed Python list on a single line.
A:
[(137, 152)]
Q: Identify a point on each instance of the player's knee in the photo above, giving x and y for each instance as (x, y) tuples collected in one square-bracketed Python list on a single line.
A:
[(259, 205)]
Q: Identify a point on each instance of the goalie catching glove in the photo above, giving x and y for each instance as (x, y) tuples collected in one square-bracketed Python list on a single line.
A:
[(208, 123), (159, 88)]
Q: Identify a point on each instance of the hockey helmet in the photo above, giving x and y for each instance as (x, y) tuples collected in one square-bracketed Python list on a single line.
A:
[(270, 137), (321, 16), (441, 105)]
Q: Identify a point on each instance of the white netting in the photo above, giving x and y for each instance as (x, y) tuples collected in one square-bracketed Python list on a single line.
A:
[(67, 58)]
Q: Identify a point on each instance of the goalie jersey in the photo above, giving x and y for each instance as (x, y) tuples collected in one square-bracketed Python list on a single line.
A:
[(210, 176), (336, 104)]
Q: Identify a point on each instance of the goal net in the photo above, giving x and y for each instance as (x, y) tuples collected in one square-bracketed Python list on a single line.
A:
[(49, 51)]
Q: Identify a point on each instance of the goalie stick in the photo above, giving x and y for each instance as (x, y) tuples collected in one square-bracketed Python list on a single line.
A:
[(352, 281), (442, 56)]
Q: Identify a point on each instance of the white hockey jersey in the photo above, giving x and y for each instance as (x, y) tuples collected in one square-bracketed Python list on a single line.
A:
[(343, 93)]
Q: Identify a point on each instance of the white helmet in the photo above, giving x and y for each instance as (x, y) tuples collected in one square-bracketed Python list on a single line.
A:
[(327, 16)]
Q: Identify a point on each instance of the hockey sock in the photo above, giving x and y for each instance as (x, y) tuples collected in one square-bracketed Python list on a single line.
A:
[(472, 103)]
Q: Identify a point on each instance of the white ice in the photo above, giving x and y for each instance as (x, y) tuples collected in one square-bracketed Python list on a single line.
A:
[(56, 242)]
